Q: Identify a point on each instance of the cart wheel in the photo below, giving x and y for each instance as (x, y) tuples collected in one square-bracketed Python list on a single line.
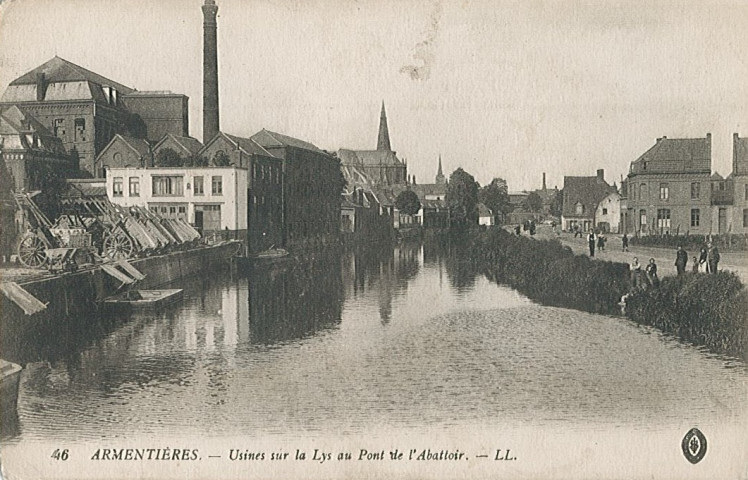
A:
[(118, 246), (32, 252)]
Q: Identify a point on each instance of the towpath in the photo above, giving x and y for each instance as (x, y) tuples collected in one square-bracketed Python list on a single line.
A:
[(665, 258)]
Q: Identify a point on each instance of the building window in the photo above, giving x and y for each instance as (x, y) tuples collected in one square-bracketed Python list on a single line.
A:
[(721, 186), (117, 187), (695, 190), (695, 217), (134, 186), (579, 208), (663, 218), (745, 218), (167, 185), (182, 209), (172, 210), (153, 209), (217, 185), (664, 191), (605, 211), (643, 191), (746, 191), (199, 187), (254, 170), (80, 129), (59, 127)]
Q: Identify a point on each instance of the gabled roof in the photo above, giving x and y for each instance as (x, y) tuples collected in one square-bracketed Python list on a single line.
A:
[(138, 145), (246, 145), (483, 210), (369, 158), (190, 145), (676, 155), (60, 70), (16, 121), (423, 189), (249, 146), (268, 139), (588, 191)]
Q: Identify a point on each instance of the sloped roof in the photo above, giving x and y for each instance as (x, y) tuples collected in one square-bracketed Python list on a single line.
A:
[(676, 155), (483, 210), (60, 70), (249, 145), (423, 189), (588, 191), (192, 145), (268, 139), (138, 144), (80, 188), (368, 157), (16, 121)]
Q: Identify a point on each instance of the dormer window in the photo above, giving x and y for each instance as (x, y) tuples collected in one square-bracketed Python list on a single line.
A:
[(579, 208)]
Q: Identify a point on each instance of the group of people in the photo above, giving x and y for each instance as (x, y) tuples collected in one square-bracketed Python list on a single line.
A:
[(707, 262), (649, 274), (596, 240)]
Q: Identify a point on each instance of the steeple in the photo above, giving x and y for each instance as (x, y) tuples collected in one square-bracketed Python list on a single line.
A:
[(440, 180), (383, 141), (210, 71)]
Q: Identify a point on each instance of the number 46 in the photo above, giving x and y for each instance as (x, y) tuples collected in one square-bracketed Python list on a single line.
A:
[(60, 454)]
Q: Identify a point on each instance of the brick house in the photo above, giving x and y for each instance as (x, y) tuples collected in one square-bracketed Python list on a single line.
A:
[(669, 187), (582, 196)]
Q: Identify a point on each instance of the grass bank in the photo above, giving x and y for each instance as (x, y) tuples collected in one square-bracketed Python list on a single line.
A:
[(708, 310), (704, 309)]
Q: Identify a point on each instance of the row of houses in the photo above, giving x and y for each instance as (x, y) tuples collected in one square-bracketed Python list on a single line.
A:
[(670, 189), (62, 120)]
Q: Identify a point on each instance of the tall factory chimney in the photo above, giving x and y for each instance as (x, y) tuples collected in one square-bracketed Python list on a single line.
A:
[(210, 71)]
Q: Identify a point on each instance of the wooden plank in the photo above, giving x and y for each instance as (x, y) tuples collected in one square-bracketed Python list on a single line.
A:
[(28, 303), (117, 274), (132, 271)]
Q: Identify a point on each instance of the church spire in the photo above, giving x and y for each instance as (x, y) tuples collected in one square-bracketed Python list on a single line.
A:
[(440, 180), (383, 141)]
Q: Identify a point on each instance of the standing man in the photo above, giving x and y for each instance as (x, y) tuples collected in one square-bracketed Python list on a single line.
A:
[(712, 257), (591, 242), (625, 243), (681, 259)]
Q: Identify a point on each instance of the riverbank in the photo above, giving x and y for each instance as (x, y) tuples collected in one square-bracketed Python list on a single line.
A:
[(707, 310), (76, 295)]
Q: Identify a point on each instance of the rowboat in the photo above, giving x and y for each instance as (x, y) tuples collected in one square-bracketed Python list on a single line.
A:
[(138, 300)]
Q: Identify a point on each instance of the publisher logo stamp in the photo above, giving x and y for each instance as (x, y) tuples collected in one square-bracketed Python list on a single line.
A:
[(694, 445)]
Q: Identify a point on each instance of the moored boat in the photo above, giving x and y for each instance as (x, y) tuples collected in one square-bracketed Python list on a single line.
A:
[(144, 299)]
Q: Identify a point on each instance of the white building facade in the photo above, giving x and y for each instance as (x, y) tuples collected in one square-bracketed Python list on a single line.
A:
[(210, 198), (608, 213)]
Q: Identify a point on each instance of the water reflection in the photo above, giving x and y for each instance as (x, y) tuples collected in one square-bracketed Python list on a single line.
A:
[(361, 338), (291, 302)]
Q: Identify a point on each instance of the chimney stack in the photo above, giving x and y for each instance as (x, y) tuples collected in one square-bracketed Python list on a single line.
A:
[(601, 174), (543, 181), (41, 86), (210, 71)]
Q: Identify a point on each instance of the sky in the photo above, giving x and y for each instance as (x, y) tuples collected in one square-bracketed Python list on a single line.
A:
[(499, 88)]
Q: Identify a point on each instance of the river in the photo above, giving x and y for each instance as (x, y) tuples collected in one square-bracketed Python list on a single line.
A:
[(348, 343)]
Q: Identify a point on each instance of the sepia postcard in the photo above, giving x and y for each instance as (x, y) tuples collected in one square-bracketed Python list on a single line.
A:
[(282, 239)]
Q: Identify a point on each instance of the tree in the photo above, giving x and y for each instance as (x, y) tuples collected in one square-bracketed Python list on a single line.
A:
[(221, 159), (168, 158), (462, 197), (533, 202), (408, 202), (495, 196), (196, 161)]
